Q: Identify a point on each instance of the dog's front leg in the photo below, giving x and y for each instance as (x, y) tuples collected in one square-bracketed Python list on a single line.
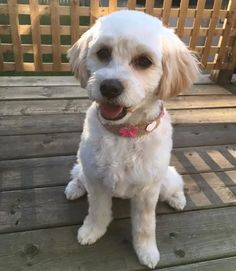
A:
[(143, 214), (98, 218)]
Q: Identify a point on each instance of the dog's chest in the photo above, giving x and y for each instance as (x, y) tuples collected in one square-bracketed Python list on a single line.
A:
[(123, 165), (126, 166)]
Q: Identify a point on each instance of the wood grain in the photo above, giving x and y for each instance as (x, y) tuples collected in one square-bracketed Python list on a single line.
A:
[(66, 143), (73, 91), (212, 235), (15, 35), (55, 32), (182, 17), (54, 123), (7, 81), (53, 171), (36, 38), (36, 107), (166, 10), (42, 92), (47, 206), (227, 264), (212, 26), (204, 116), (197, 23)]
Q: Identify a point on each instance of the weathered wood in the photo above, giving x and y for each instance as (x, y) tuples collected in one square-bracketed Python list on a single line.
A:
[(35, 172), (43, 92), (131, 4), (7, 81), (204, 159), (59, 92), (52, 144), (149, 6), (212, 235), (30, 81), (204, 135), (47, 206), (195, 102), (222, 77), (54, 123), (15, 35), (55, 32), (65, 106), (212, 26), (75, 91), (53, 171), (197, 23), (166, 12), (32, 107), (94, 9), (182, 17), (35, 21), (166, 9), (227, 264), (75, 15), (39, 145), (213, 115), (209, 171), (228, 27)]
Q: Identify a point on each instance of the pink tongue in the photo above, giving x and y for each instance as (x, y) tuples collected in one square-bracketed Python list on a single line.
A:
[(110, 111)]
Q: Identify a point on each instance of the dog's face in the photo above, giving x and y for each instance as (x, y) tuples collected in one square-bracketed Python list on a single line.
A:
[(128, 58)]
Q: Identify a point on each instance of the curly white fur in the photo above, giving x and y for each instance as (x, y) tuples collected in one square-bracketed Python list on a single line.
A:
[(136, 168)]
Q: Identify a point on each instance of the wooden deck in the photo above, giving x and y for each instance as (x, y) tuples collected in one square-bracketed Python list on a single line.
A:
[(40, 124)]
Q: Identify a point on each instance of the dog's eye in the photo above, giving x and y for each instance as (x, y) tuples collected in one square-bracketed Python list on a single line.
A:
[(142, 62), (104, 54)]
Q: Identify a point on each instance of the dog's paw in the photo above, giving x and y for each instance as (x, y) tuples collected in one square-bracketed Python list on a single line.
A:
[(74, 190), (88, 235), (177, 200), (149, 257)]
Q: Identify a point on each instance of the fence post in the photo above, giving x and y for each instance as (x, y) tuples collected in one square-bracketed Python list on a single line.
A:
[(223, 76)]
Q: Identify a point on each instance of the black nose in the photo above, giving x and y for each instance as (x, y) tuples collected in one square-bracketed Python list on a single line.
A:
[(111, 88)]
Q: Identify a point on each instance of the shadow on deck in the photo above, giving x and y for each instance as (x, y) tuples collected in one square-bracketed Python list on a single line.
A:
[(40, 124)]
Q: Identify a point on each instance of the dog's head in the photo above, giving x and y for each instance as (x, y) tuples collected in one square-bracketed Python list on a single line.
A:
[(128, 58)]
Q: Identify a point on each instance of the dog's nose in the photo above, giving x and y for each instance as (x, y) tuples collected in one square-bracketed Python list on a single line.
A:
[(111, 88)]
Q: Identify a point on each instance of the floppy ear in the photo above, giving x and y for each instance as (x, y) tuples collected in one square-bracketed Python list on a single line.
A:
[(77, 55), (180, 67)]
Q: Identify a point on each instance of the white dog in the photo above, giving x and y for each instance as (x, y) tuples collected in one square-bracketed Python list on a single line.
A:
[(129, 63)]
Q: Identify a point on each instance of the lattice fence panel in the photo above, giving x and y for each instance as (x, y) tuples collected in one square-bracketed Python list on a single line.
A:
[(36, 34)]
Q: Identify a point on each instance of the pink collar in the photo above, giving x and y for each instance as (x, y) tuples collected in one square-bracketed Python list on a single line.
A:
[(141, 129)]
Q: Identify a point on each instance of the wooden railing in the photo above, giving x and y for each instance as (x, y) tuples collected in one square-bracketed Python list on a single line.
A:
[(35, 35)]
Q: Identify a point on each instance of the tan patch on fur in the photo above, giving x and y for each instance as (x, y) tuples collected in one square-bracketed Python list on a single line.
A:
[(180, 69), (77, 56)]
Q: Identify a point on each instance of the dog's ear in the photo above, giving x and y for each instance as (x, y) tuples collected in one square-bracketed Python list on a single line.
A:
[(77, 55), (180, 67)]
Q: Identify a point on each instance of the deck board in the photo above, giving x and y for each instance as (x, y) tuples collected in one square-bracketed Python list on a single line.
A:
[(66, 143), (226, 264), (41, 120), (64, 80), (58, 92), (211, 236), (47, 207), (53, 171)]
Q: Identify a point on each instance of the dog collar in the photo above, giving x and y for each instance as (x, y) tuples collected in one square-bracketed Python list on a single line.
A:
[(138, 130)]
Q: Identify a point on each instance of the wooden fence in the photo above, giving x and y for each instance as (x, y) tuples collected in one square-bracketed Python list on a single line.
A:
[(35, 35)]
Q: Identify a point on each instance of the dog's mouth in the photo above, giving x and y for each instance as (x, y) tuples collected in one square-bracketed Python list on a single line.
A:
[(112, 111)]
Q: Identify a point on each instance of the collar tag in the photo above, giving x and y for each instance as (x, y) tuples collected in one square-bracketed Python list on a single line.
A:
[(150, 127), (128, 131)]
